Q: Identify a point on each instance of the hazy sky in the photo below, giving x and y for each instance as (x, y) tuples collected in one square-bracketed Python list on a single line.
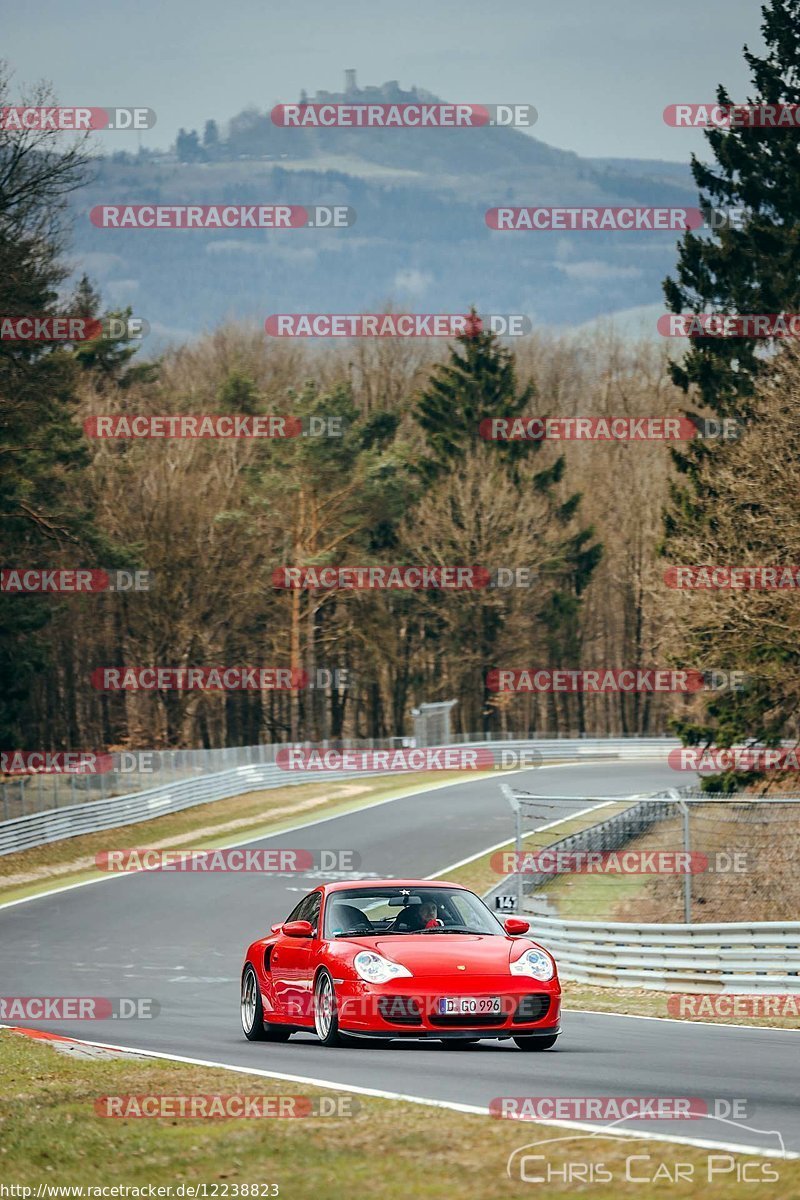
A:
[(599, 71)]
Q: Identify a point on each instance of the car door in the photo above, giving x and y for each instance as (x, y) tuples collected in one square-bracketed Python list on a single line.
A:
[(293, 962)]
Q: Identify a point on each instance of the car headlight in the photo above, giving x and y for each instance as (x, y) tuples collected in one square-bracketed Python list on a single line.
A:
[(374, 968), (534, 963)]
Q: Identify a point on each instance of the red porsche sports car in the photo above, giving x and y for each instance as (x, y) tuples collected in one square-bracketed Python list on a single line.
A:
[(400, 959)]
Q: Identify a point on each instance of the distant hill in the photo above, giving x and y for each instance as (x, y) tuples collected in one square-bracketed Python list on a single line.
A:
[(420, 236), (647, 168)]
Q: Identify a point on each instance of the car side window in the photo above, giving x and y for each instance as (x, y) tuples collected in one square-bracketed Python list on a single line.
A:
[(296, 914), (307, 910), (312, 911)]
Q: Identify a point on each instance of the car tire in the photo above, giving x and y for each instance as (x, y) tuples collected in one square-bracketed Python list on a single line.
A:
[(252, 1013), (326, 1016), (536, 1043)]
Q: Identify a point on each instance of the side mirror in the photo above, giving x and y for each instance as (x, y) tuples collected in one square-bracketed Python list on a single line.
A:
[(516, 925), (301, 929), (276, 928)]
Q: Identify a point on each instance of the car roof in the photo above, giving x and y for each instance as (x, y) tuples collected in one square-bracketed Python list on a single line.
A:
[(345, 885)]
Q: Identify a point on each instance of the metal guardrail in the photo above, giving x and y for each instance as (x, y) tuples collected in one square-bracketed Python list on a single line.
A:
[(762, 956), (55, 824)]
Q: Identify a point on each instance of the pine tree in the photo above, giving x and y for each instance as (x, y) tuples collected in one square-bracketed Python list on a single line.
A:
[(478, 382), (750, 267), (755, 268), (46, 505), (107, 357)]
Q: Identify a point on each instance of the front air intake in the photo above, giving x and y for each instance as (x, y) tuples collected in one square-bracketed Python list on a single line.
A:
[(400, 1010)]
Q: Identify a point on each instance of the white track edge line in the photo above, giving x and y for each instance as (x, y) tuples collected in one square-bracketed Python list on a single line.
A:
[(453, 1105)]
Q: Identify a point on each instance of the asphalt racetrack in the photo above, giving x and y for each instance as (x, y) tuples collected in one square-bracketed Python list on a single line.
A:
[(180, 938)]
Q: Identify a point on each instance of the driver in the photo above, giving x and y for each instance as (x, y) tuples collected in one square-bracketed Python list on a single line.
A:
[(421, 916)]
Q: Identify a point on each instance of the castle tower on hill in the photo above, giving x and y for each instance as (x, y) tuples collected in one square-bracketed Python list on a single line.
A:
[(390, 92)]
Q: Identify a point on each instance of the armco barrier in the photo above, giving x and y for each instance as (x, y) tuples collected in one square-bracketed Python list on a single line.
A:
[(55, 824), (762, 956)]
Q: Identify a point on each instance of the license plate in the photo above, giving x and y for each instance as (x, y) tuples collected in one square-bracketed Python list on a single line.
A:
[(469, 1005)]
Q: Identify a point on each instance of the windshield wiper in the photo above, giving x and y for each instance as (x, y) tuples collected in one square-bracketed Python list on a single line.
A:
[(452, 929), (355, 933)]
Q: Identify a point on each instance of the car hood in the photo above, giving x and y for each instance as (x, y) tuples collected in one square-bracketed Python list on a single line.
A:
[(443, 954)]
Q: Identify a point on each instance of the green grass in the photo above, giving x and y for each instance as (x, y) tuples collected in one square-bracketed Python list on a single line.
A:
[(644, 1002), (593, 897), (767, 890), (50, 1134)]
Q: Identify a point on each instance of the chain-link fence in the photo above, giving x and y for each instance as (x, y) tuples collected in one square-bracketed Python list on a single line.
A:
[(120, 773), (682, 856), (432, 723)]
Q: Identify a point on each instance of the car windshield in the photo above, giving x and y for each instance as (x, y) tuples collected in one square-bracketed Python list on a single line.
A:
[(361, 912)]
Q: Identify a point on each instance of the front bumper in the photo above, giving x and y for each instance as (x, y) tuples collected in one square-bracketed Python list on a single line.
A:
[(408, 1008), (448, 1035)]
